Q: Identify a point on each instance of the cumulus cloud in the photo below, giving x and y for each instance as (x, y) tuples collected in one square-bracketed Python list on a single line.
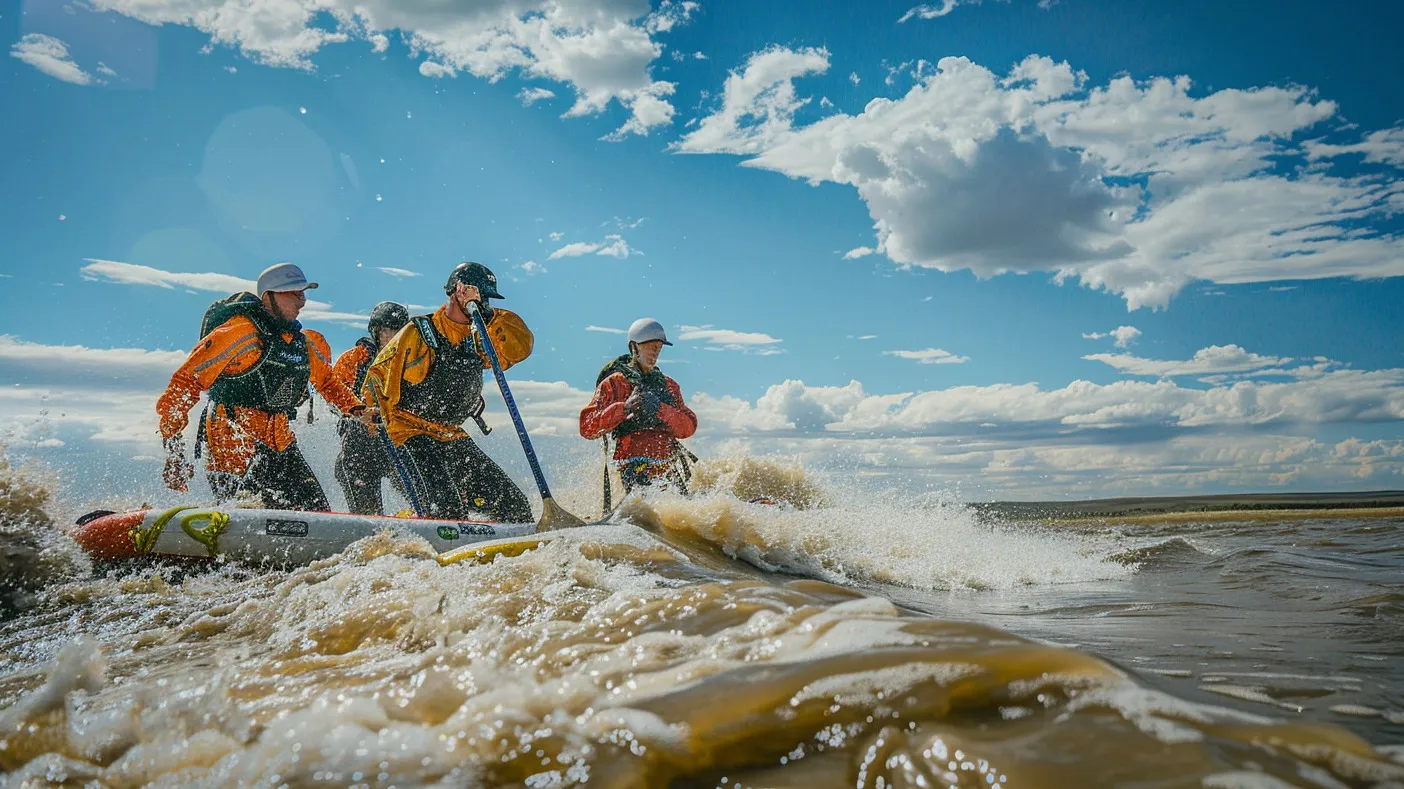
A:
[(730, 340), (1123, 335), (858, 252), (1136, 188), (930, 356), (613, 246), (603, 50), (50, 55), (99, 270)]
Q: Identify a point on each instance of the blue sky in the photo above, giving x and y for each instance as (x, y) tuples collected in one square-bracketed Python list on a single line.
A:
[(1035, 250)]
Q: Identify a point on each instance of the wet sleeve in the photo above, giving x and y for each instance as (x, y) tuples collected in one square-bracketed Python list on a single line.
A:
[(606, 408), (348, 362), (510, 338), (229, 343), (678, 417), (406, 355), (324, 377)]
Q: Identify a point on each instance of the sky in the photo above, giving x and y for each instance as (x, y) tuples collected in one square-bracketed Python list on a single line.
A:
[(1010, 249)]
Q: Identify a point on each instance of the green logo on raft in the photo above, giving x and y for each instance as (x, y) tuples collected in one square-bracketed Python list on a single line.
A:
[(448, 532)]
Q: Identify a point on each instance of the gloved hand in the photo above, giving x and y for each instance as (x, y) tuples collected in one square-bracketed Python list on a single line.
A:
[(177, 472), (648, 405)]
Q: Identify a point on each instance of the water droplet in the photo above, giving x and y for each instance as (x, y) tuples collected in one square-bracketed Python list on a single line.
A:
[(302, 110), (378, 198)]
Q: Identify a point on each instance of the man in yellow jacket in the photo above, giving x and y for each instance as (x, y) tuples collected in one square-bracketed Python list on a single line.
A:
[(428, 381)]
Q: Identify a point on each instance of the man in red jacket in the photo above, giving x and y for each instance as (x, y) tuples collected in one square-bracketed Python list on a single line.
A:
[(642, 409)]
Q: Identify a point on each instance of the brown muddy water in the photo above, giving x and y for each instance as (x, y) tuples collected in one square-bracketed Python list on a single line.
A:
[(714, 643)]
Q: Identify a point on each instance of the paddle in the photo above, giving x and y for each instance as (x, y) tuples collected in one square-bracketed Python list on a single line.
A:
[(394, 455), (553, 516)]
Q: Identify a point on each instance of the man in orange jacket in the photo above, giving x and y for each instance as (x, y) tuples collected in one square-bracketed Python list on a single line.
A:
[(362, 463), (256, 366), (429, 380), (642, 409)]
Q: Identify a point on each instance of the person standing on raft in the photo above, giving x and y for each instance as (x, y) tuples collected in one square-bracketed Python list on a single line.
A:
[(362, 462), (428, 381), (643, 411), (256, 361)]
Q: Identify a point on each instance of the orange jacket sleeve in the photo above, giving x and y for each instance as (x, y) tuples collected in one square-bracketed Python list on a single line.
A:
[(323, 376), (232, 346), (511, 338), (347, 364), (606, 408), (679, 418)]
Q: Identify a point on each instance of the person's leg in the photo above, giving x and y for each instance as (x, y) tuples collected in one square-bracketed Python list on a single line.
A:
[(359, 469), (428, 463), (288, 483), (489, 489)]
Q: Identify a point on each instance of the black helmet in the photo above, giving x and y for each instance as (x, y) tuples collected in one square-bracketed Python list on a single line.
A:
[(388, 315), (473, 274)]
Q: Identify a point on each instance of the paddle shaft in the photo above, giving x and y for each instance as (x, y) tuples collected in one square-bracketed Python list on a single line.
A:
[(511, 403)]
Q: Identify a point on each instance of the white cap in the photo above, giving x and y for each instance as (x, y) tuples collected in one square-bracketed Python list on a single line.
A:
[(283, 278), (647, 330)]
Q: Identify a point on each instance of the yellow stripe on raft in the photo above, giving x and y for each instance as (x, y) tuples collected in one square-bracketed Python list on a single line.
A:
[(484, 552)]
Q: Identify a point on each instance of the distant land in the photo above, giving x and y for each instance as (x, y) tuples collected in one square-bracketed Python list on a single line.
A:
[(1152, 508)]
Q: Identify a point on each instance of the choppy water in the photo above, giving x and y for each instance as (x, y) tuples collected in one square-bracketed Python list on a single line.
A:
[(716, 643)]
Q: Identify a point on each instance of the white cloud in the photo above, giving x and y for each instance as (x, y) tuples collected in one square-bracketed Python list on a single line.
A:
[(530, 96), (605, 330), (602, 49), (99, 270), (858, 252), (532, 268), (434, 70), (1385, 146), (934, 11), (398, 272), (557, 236), (1137, 188), (854, 78), (868, 337), (50, 55), (1017, 412), (930, 356), (613, 246), (1123, 335), (105, 70), (1206, 361), (730, 340)]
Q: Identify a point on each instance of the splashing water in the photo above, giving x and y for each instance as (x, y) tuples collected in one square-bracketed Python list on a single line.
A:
[(619, 656)]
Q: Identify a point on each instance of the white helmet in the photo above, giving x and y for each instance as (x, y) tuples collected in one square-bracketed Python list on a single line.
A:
[(647, 330)]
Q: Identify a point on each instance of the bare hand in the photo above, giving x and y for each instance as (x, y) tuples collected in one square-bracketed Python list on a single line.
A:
[(466, 294), (634, 401)]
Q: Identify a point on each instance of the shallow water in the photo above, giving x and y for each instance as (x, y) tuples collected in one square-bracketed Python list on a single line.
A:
[(716, 643)]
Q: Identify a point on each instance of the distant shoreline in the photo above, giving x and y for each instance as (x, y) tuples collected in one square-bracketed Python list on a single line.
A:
[(1230, 516), (1217, 508)]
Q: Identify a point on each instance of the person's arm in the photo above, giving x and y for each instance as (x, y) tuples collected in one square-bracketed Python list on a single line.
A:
[(406, 355), (678, 417), (231, 346), (606, 408), (347, 364), (324, 378), (510, 336)]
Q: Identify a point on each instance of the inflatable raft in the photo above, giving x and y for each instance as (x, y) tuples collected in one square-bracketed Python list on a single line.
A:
[(270, 536)]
